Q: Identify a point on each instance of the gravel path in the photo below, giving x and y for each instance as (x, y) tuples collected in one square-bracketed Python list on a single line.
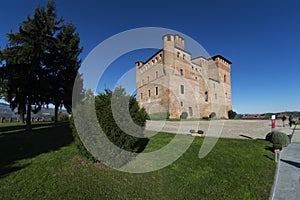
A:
[(243, 129)]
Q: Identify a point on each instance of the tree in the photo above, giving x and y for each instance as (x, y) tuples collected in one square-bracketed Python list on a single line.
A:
[(62, 65), (40, 63)]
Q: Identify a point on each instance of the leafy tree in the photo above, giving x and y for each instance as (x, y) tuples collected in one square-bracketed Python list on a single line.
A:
[(40, 63)]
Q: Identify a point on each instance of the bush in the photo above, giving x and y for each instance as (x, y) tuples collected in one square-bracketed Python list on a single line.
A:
[(231, 114), (278, 139), (112, 125), (192, 131), (206, 118), (212, 115), (200, 132), (63, 117), (159, 116), (184, 115)]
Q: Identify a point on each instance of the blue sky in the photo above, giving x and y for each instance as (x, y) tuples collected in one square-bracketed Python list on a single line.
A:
[(260, 37)]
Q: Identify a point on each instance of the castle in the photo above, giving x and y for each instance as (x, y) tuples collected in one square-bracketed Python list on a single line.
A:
[(171, 81)]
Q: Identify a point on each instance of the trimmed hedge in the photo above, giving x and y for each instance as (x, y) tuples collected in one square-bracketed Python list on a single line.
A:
[(279, 139), (184, 115)]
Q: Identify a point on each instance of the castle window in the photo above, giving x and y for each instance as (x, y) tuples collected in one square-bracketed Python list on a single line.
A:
[(191, 111), (225, 78), (156, 74), (160, 55), (192, 67), (206, 96), (156, 90), (182, 89), (149, 92), (183, 57), (181, 72), (196, 78), (181, 104), (148, 78), (178, 54), (226, 94), (169, 38), (141, 95)]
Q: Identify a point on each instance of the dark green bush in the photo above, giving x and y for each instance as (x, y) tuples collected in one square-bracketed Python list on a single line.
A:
[(231, 114), (159, 116), (184, 115), (192, 131), (200, 132), (212, 115), (278, 139), (206, 118), (110, 125)]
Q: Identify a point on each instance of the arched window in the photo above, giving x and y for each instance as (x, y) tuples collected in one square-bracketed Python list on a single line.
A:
[(181, 72), (206, 96), (224, 78)]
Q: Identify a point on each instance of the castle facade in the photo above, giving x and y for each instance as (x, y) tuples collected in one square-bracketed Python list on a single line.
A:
[(173, 82)]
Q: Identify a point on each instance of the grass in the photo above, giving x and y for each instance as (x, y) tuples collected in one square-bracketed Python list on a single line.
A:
[(44, 164)]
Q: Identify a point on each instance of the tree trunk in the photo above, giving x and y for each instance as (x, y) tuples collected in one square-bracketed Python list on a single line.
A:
[(56, 114), (28, 116)]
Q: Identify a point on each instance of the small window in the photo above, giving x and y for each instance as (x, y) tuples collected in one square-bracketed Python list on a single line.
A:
[(191, 111), (149, 92), (182, 89), (156, 90), (192, 67), (181, 72), (169, 38), (141, 95), (183, 57), (206, 96), (181, 104), (225, 78), (178, 54), (226, 94), (156, 74), (148, 78), (196, 78)]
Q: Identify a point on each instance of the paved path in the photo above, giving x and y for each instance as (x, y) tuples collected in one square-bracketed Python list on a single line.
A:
[(287, 176), (243, 129)]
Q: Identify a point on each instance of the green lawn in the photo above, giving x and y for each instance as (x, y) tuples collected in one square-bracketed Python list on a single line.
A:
[(44, 164)]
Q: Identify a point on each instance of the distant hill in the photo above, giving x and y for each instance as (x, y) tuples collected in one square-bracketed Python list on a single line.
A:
[(6, 112), (295, 114)]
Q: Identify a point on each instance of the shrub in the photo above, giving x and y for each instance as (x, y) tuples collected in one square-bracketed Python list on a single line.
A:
[(212, 115), (231, 114), (278, 139), (62, 116), (184, 115), (200, 132), (112, 125), (206, 118), (159, 116), (192, 131)]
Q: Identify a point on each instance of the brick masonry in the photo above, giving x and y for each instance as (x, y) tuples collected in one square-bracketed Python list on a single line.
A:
[(171, 81)]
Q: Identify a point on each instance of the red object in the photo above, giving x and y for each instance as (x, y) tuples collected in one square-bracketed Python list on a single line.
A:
[(273, 123)]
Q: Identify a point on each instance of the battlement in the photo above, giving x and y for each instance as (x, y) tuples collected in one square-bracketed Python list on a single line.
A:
[(173, 40)]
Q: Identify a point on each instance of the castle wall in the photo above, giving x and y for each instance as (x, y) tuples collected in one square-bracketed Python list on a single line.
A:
[(171, 81)]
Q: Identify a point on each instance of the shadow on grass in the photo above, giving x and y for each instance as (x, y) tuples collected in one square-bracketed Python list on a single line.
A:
[(20, 145)]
